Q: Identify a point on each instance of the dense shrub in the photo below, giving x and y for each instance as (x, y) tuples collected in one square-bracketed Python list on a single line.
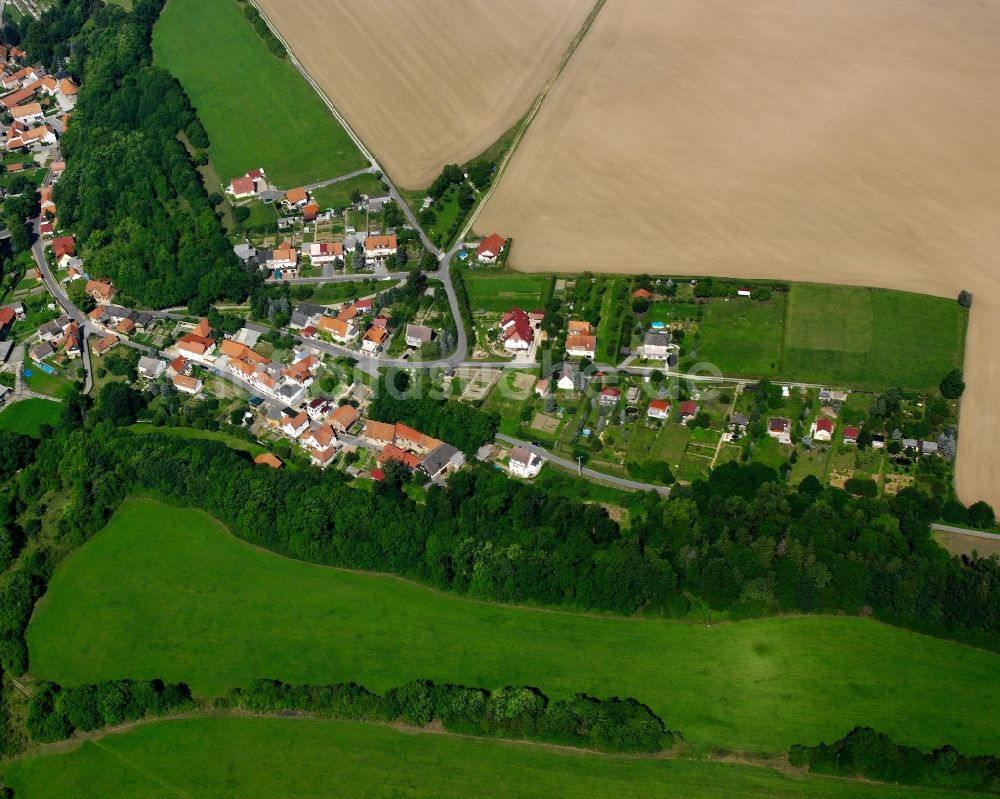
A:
[(863, 752), (613, 725)]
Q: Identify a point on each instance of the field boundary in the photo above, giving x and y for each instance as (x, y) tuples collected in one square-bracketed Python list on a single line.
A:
[(528, 118)]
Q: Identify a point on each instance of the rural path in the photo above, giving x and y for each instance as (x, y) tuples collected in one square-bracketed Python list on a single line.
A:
[(583, 471), (945, 528), (349, 176)]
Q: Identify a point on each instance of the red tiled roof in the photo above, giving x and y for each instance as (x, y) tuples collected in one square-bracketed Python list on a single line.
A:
[(689, 407), (521, 325), (491, 245), (826, 425), (778, 425)]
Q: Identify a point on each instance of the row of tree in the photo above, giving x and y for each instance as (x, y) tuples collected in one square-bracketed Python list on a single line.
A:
[(611, 725), (863, 752), (55, 712)]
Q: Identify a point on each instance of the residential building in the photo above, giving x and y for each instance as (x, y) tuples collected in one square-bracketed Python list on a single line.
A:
[(296, 198), (489, 249), (656, 346), (338, 329), (150, 368), (578, 327), (42, 351), (319, 437), (103, 345), (517, 331), (928, 448), (610, 396), (178, 366), (822, 429), (738, 421), (378, 248), (101, 291), (441, 460), (658, 409), (28, 114), (418, 335), (408, 438), (393, 453), (327, 252), (374, 339), (851, 435), (524, 463), (197, 348), (379, 434), (295, 426), (64, 245), (305, 314), (187, 384), (689, 409), (7, 319), (581, 346), (642, 294), (778, 428), (571, 378), (343, 418)]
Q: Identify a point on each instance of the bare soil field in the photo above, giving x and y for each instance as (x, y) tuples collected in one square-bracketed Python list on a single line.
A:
[(850, 142), (958, 544), (428, 82)]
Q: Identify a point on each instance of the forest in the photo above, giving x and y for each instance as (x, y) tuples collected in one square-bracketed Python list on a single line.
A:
[(131, 193)]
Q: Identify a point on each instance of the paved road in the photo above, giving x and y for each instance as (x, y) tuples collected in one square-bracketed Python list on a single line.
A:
[(347, 278), (944, 528), (56, 290), (590, 474)]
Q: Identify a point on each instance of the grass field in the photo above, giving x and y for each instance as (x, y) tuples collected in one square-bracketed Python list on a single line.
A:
[(257, 109), (209, 758), (338, 195), (501, 291), (53, 385), (233, 442), (871, 338), (743, 338), (29, 415), (163, 592)]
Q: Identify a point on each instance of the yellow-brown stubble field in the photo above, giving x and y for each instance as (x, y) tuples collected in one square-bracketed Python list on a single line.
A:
[(428, 82), (851, 142)]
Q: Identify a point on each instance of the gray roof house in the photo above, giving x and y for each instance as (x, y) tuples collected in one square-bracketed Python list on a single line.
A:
[(418, 334), (738, 420), (150, 368), (928, 448), (440, 459), (245, 251), (305, 313)]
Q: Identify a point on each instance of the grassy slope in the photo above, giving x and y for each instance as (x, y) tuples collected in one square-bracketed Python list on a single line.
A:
[(258, 110), (743, 338), (168, 593), (233, 442), (241, 757), (28, 416)]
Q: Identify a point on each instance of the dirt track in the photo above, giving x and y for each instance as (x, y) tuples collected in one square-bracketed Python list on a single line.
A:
[(428, 82), (851, 142)]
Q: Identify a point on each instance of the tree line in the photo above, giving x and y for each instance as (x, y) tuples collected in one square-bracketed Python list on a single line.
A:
[(611, 725), (864, 752)]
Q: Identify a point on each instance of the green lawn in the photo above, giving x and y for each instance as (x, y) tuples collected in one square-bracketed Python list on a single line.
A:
[(339, 194), (54, 385), (743, 338), (231, 441), (867, 338), (164, 592), (29, 415), (227, 757), (500, 291), (258, 110)]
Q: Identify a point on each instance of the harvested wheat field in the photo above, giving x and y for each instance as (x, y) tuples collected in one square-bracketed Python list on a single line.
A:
[(428, 82), (849, 142)]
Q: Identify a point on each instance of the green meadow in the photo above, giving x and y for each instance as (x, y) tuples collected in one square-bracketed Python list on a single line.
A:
[(28, 416), (258, 110), (213, 758), (834, 335), (165, 592), (496, 291)]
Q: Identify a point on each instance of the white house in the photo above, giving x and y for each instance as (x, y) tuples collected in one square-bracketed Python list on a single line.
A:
[(418, 335), (656, 346), (150, 368), (489, 249), (524, 463), (822, 430), (779, 429), (327, 252), (378, 248), (295, 426), (517, 330), (658, 409), (581, 346)]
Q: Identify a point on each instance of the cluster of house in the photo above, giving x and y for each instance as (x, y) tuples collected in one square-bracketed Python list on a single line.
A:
[(284, 261), (61, 334), (659, 409), (34, 101), (315, 428), (415, 450), (122, 322), (518, 329), (822, 430)]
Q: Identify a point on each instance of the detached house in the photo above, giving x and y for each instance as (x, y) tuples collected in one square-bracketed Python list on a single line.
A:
[(344, 418), (581, 346), (658, 409), (28, 114), (197, 348), (374, 339), (656, 346), (418, 335), (103, 345), (296, 198), (524, 463), (338, 329), (689, 409), (822, 429), (378, 248), (489, 249), (327, 252), (295, 426), (187, 385), (517, 330), (779, 429)]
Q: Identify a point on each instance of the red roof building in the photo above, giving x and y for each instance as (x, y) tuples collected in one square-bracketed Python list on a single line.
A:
[(689, 408), (642, 294), (64, 245), (517, 330), (489, 249)]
